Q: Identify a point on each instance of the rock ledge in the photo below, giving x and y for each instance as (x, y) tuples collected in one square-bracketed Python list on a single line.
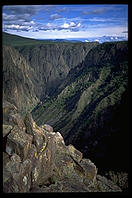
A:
[(36, 159)]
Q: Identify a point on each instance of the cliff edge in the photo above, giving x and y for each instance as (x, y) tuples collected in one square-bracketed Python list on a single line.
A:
[(36, 159)]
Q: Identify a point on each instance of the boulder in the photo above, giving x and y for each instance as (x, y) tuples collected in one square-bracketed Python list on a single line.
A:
[(8, 109), (59, 142), (39, 138), (47, 127), (16, 119), (59, 138), (67, 160), (77, 155), (64, 164), (11, 167), (46, 167), (29, 123), (6, 129), (18, 142), (45, 161), (90, 171), (37, 160), (17, 175)]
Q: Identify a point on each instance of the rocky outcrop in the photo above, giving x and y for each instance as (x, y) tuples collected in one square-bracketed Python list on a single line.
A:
[(90, 105), (36, 159)]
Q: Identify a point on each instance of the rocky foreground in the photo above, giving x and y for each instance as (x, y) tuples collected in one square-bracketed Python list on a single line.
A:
[(36, 159)]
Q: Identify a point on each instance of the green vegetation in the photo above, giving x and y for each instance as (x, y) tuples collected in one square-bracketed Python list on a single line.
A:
[(118, 178), (81, 95), (14, 40), (89, 106), (17, 41), (33, 70), (83, 88)]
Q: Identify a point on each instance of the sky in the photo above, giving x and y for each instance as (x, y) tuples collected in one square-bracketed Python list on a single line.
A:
[(66, 21)]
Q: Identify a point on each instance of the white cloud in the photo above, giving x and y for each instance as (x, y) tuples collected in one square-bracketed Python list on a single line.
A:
[(65, 25), (67, 33), (79, 24), (70, 25), (18, 27), (49, 25)]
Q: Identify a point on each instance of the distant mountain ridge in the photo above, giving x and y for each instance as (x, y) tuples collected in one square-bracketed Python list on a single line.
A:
[(100, 39), (17, 40), (106, 39)]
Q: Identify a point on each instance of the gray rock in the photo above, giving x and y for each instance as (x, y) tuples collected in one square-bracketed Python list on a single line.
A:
[(47, 127), (6, 129), (39, 138), (77, 155), (17, 175), (8, 109), (16, 119), (18, 142), (90, 171), (41, 162)]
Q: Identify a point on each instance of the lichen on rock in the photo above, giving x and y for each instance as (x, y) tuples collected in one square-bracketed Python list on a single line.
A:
[(37, 160)]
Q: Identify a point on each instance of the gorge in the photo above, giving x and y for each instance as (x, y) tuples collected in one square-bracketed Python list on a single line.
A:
[(81, 90)]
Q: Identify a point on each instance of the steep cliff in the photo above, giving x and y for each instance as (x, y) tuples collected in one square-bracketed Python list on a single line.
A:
[(89, 106), (32, 70), (37, 160), (81, 90), (53, 61), (18, 86)]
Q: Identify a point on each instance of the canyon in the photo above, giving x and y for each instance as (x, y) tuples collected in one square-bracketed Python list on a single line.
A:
[(79, 89)]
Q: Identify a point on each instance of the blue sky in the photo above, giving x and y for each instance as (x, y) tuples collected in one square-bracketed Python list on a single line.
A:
[(66, 21)]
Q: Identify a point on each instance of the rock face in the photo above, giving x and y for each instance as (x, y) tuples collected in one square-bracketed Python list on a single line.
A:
[(18, 88), (90, 104), (80, 89), (33, 72), (36, 159)]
